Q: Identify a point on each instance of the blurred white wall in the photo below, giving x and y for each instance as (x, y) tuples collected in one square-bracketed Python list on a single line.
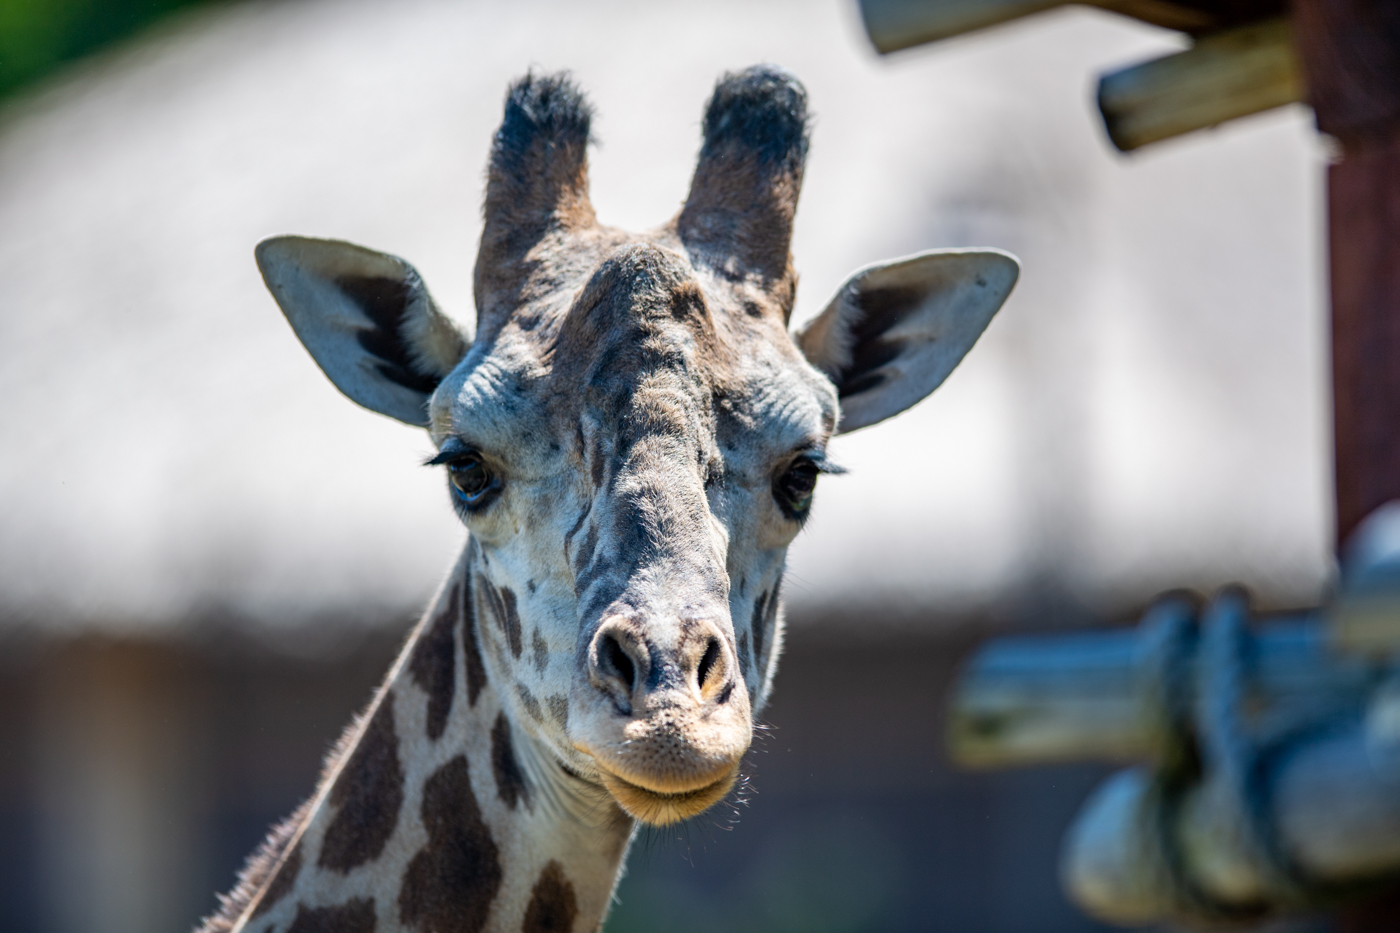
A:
[(1148, 410)]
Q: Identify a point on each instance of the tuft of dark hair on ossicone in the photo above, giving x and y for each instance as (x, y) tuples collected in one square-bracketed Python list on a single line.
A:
[(542, 107), (764, 110)]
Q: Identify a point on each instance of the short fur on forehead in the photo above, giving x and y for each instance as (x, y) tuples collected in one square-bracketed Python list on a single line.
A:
[(640, 311), (639, 282)]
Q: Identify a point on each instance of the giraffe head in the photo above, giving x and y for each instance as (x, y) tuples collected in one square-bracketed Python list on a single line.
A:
[(633, 435)]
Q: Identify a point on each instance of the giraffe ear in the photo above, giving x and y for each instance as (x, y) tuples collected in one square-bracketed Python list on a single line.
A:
[(367, 319), (895, 330)]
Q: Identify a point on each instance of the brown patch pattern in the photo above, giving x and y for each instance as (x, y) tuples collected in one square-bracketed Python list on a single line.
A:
[(510, 782), (449, 886), (367, 795), (541, 651), (471, 648), (569, 538), (355, 916), (559, 709), (434, 662), (770, 618), (585, 556), (502, 604), (756, 626), (532, 706), (553, 906), (512, 620)]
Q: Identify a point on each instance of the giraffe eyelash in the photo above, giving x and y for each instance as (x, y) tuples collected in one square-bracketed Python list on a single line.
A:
[(823, 463), (452, 450)]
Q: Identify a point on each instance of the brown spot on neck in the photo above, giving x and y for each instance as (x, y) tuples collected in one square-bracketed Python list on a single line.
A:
[(356, 916), (585, 556), (756, 625), (559, 710), (512, 621), (541, 651), (434, 662), (367, 794), (451, 883), (502, 604), (510, 781), (532, 705), (471, 648), (553, 906)]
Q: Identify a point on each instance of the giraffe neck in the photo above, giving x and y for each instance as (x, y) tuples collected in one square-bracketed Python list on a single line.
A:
[(436, 815)]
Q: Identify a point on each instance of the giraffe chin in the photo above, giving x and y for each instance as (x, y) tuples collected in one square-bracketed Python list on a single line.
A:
[(662, 809)]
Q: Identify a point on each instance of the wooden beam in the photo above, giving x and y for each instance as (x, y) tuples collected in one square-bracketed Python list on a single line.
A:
[(1110, 696), (901, 24), (1363, 207), (1225, 75)]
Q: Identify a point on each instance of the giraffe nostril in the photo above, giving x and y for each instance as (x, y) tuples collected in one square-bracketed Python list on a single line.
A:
[(707, 663), (611, 654)]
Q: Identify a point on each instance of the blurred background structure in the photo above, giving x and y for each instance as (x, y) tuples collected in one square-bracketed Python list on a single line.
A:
[(208, 557)]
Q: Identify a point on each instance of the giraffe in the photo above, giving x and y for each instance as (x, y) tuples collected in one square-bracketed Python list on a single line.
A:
[(632, 437)]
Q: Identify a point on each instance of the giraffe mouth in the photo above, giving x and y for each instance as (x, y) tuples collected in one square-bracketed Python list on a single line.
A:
[(661, 809)]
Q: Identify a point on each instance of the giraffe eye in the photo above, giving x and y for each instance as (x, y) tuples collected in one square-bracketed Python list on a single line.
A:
[(793, 489), (470, 478)]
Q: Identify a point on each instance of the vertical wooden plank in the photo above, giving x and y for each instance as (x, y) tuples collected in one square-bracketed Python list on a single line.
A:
[(1350, 50), (1351, 54), (1364, 214)]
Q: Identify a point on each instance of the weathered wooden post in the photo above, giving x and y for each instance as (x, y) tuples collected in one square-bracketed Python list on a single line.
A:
[(1350, 50)]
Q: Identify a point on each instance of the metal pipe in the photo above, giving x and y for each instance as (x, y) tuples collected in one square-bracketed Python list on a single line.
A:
[(1333, 805), (1225, 75), (901, 24), (1119, 695), (1270, 775)]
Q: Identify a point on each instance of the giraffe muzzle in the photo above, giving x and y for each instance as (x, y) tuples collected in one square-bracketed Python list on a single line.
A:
[(663, 714)]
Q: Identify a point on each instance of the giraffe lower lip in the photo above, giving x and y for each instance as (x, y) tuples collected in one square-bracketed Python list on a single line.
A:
[(660, 809)]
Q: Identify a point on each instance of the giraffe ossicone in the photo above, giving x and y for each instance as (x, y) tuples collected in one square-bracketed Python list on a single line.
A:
[(632, 437)]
